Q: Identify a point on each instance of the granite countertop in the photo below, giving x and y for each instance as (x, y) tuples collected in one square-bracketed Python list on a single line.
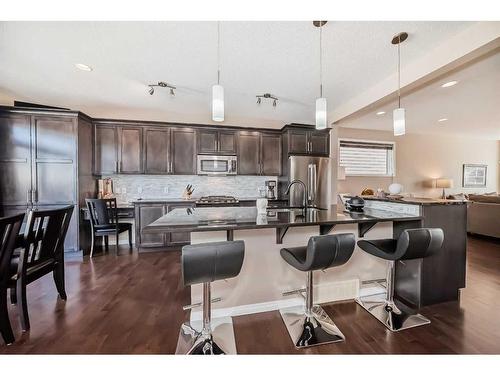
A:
[(419, 201), (192, 200), (231, 218)]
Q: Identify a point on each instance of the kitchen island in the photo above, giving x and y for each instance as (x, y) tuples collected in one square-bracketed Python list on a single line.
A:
[(264, 275)]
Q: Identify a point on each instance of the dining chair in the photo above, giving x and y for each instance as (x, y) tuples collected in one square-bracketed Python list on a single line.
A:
[(103, 215), (42, 252), (9, 230)]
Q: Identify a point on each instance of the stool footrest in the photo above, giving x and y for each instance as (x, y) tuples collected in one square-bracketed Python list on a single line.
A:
[(292, 292), (198, 304)]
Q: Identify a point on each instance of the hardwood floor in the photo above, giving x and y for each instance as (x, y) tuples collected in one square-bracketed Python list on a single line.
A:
[(132, 304)]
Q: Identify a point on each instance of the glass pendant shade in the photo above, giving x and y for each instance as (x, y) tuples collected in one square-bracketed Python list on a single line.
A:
[(321, 113), (399, 120), (217, 103)]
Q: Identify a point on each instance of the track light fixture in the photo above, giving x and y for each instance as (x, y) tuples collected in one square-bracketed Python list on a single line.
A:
[(267, 96), (151, 90)]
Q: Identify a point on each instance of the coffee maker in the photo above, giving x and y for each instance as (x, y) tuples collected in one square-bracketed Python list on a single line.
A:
[(270, 188)]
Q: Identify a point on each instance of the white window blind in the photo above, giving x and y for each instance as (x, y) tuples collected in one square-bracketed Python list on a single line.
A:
[(367, 158)]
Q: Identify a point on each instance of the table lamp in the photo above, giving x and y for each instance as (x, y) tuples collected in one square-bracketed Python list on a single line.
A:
[(444, 183)]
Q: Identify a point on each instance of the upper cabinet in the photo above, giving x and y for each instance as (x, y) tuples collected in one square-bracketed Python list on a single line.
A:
[(156, 150), (259, 153), (183, 151), (249, 153), (270, 146), (117, 149), (216, 142), (105, 149), (130, 150), (305, 141)]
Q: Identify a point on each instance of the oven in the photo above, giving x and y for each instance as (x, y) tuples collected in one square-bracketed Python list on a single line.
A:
[(213, 165)]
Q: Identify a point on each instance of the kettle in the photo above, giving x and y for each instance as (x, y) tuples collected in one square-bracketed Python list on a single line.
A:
[(355, 204)]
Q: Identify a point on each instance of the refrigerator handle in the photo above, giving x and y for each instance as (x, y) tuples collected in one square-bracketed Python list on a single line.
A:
[(311, 182)]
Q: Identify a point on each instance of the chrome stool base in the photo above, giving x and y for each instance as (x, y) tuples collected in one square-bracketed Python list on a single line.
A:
[(389, 314), (220, 341), (306, 331)]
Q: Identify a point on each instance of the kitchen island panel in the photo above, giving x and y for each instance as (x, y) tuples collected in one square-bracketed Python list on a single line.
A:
[(265, 275)]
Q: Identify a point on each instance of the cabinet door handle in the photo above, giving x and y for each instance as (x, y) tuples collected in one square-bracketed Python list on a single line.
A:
[(28, 196), (116, 166), (34, 196), (171, 166)]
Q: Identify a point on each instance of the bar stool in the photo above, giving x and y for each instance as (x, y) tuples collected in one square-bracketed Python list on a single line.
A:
[(411, 244), (205, 263), (310, 325)]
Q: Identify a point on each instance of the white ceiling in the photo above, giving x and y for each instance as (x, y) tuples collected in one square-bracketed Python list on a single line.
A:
[(37, 64), (471, 106)]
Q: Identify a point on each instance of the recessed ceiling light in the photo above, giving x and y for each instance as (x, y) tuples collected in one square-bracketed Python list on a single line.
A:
[(449, 84), (380, 113), (442, 120), (84, 67)]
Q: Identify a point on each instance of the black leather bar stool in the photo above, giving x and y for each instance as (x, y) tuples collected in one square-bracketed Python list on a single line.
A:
[(204, 263), (411, 244), (310, 325)]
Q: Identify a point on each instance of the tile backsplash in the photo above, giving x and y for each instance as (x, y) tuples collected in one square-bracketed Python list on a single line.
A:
[(130, 187)]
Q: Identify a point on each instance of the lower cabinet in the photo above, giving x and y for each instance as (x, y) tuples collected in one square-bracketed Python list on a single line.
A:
[(146, 213)]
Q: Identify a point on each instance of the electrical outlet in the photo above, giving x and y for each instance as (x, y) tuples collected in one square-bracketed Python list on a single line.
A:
[(165, 189), (139, 189), (124, 191)]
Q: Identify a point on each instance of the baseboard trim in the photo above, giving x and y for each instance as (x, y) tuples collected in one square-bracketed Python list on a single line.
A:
[(324, 293)]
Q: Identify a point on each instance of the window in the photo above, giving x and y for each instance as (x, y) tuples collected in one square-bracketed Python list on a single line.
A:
[(366, 158)]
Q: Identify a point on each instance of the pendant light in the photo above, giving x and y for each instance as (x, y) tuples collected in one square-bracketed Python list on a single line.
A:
[(399, 115), (218, 90), (321, 117)]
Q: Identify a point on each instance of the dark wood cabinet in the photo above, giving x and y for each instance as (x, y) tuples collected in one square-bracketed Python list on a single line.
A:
[(156, 150), (207, 141), (15, 160), (216, 142), (178, 238), (298, 141), (249, 153), (303, 141), (271, 154), (105, 150), (319, 143), (130, 150), (259, 153), (416, 280), (183, 146), (146, 213), (54, 158), (45, 163), (227, 142)]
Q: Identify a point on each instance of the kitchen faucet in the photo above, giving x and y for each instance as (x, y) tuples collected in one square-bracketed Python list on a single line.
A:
[(306, 193)]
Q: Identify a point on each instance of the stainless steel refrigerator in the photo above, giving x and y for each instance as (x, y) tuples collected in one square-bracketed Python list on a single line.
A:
[(315, 172)]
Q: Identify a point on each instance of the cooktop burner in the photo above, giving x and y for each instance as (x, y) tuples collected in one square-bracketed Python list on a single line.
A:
[(217, 199)]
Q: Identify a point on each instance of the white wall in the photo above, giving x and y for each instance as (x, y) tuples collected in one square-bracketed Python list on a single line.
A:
[(421, 158)]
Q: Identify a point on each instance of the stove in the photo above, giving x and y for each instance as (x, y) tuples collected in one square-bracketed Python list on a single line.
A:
[(217, 200)]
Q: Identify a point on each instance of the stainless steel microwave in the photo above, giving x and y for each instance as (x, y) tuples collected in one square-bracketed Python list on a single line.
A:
[(217, 165)]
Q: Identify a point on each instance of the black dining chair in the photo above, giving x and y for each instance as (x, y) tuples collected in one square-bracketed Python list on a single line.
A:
[(42, 252), (103, 215), (9, 230)]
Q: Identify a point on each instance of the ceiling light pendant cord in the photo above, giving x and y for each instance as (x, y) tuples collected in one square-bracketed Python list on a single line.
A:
[(320, 62), (399, 72), (218, 52)]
